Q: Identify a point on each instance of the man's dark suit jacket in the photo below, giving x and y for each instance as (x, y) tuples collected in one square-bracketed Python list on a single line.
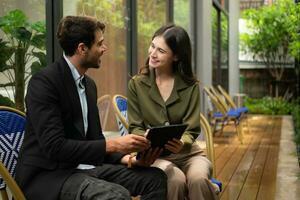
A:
[(54, 142)]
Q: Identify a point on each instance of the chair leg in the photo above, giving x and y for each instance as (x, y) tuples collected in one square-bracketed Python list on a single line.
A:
[(239, 130), (4, 194), (247, 121), (214, 126), (222, 127)]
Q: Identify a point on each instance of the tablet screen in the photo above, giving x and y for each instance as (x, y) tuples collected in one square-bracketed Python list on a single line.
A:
[(160, 135)]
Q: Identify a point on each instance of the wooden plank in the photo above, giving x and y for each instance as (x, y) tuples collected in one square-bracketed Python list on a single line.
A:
[(251, 185), (232, 164), (236, 183), (226, 156), (219, 149), (229, 149), (268, 182), (248, 171)]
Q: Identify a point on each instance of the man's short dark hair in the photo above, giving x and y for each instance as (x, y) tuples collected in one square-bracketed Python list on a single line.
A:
[(73, 30)]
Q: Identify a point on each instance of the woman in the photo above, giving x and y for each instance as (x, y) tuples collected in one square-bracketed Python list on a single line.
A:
[(166, 92)]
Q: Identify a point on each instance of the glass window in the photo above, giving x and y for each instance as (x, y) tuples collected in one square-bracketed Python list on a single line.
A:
[(215, 52), (219, 48), (182, 13), (111, 77), (21, 54), (150, 16), (224, 50)]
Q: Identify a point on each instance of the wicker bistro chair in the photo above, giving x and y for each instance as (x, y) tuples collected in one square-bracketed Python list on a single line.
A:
[(223, 115), (120, 107), (231, 102), (12, 129), (226, 101), (103, 104), (243, 110), (205, 127)]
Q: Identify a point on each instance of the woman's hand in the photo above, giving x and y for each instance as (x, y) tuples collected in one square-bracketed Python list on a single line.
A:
[(174, 145), (147, 157)]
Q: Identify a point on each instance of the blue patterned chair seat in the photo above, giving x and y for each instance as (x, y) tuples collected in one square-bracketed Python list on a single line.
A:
[(11, 138), (121, 103)]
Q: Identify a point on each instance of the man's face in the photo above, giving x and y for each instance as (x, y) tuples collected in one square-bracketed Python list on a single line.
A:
[(93, 55)]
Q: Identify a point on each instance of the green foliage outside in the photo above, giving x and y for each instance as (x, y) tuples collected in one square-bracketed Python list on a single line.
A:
[(181, 13), (21, 52), (274, 36), (271, 106), (296, 120), (150, 16), (111, 12), (5, 101)]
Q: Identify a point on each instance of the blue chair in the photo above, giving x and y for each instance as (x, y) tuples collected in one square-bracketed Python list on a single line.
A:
[(223, 115), (12, 129), (120, 107), (205, 127), (231, 102)]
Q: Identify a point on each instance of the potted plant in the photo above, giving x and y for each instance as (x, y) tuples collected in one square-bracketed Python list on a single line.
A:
[(21, 52)]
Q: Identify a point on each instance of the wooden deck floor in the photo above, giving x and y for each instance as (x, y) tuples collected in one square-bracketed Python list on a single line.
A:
[(248, 170)]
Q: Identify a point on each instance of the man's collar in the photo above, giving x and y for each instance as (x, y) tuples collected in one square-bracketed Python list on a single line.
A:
[(73, 69)]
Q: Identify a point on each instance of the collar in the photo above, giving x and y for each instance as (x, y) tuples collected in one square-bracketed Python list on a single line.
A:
[(75, 73), (149, 80)]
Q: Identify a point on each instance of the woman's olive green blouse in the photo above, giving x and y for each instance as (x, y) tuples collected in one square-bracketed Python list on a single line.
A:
[(146, 107)]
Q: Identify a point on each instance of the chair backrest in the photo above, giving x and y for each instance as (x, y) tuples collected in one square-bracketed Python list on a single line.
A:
[(103, 104), (120, 108), (209, 141), (227, 97), (12, 129), (221, 99), (215, 101)]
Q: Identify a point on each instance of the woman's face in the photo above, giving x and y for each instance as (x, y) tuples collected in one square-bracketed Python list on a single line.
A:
[(160, 55)]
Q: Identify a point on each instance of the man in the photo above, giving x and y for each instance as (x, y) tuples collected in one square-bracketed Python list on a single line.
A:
[(64, 154)]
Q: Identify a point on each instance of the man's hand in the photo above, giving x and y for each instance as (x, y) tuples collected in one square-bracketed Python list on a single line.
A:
[(147, 157), (174, 145), (127, 144)]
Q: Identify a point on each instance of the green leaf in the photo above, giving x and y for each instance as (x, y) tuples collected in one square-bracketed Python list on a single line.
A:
[(13, 20), (5, 53), (22, 34), (39, 27), (42, 58), (38, 41), (35, 67)]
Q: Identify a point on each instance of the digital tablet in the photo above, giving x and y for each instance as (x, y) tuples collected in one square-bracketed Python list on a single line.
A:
[(160, 135)]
